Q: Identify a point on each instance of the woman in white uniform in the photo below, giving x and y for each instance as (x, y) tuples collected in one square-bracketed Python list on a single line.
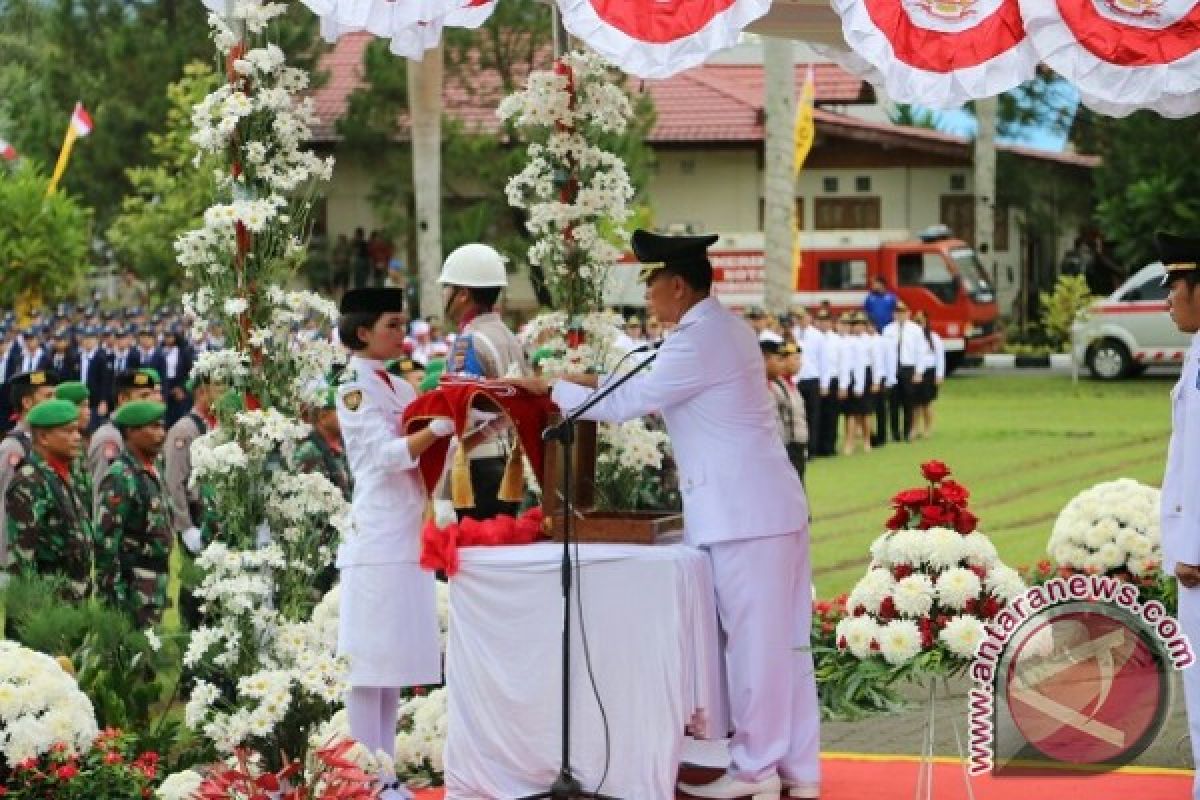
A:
[(388, 618)]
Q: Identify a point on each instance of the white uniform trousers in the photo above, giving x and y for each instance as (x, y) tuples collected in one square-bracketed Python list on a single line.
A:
[(764, 598), (1189, 621)]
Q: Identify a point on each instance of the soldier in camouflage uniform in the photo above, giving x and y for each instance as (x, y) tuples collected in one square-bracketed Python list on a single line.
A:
[(133, 518), (322, 452), (49, 527), (77, 392), (106, 442), (25, 391)]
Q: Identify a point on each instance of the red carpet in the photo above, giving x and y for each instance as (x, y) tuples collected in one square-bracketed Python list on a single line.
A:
[(852, 777)]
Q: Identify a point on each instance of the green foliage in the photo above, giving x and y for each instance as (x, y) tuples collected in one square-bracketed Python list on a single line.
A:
[(914, 116), (1145, 179), (848, 687), (170, 197), (43, 239), (114, 663), (1062, 307)]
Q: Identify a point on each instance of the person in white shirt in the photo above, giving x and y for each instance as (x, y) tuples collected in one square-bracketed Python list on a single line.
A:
[(829, 384), (744, 506), (811, 342), (388, 614), (933, 372), (854, 383), (885, 359), (909, 341)]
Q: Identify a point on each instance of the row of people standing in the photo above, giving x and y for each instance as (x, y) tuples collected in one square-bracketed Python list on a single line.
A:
[(870, 381)]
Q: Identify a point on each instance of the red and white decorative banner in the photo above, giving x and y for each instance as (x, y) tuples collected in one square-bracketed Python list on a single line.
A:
[(411, 26), (940, 53), (658, 38), (1123, 55)]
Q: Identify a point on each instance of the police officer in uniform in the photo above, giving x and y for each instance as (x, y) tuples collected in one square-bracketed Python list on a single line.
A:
[(49, 526), (133, 518), (1180, 501), (473, 277), (741, 504)]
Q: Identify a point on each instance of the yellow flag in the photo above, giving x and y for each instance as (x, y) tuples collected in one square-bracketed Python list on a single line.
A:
[(80, 125), (805, 132), (806, 129)]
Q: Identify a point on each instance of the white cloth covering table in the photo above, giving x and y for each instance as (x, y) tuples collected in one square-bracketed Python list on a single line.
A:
[(652, 631)]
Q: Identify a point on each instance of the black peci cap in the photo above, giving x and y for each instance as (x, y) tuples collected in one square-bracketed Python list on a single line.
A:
[(682, 255), (1179, 254)]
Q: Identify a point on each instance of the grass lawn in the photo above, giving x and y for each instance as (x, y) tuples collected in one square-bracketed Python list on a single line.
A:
[(1023, 444)]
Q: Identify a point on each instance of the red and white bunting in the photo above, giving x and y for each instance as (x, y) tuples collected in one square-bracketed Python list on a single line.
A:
[(658, 38), (940, 53), (411, 26), (1123, 55)]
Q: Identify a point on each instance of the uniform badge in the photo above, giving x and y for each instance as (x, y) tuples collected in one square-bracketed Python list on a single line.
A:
[(353, 399)]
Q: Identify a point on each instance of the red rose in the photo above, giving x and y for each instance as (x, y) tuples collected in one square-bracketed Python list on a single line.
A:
[(897, 520), (911, 497), (965, 522), (66, 772), (934, 471), (935, 517), (887, 609), (954, 492), (901, 571)]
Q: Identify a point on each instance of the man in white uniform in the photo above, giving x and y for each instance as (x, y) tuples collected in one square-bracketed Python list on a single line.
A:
[(743, 504), (1180, 502)]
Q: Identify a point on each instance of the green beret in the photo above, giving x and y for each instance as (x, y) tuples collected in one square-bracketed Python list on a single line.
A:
[(138, 413), (53, 413), (75, 391), (152, 373)]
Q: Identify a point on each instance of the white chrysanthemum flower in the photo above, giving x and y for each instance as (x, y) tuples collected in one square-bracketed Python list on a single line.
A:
[(899, 641), (962, 635), (858, 633), (956, 586), (1005, 582), (870, 591), (945, 548), (40, 705), (179, 786), (913, 596), (1118, 515), (978, 550)]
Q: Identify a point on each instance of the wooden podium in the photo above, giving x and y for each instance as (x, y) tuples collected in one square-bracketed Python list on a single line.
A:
[(591, 524)]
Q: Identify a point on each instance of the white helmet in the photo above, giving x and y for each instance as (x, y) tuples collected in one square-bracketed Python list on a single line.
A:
[(475, 266)]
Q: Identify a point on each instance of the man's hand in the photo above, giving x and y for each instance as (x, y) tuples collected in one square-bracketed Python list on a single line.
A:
[(1188, 575), (533, 385)]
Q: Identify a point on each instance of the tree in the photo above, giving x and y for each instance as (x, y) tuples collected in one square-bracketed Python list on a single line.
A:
[(43, 239), (1144, 182), (169, 198), (914, 116)]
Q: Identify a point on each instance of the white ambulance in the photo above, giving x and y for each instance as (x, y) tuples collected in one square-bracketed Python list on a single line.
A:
[(1130, 330)]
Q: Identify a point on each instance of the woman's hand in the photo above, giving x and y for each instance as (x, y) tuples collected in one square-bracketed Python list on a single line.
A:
[(533, 385)]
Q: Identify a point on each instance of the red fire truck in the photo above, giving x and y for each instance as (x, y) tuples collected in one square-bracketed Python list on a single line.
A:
[(932, 272)]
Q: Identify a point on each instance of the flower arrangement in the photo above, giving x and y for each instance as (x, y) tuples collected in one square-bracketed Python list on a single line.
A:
[(41, 708), (266, 674), (933, 581), (1112, 529), (330, 774), (108, 769), (576, 193), (847, 686)]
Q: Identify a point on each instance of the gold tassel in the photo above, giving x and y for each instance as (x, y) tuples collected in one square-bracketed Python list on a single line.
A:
[(461, 491), (512, 485)]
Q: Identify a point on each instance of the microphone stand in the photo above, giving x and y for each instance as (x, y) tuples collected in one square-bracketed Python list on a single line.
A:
[(566, 786)]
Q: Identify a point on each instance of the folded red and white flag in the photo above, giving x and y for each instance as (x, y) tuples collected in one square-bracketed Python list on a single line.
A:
[(7, 151), (81, 120)]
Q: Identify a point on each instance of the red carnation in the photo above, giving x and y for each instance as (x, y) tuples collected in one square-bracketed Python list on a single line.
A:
[(911, 497), (827, 627), (113, 757), (897, 520), (965, 522), (954, 492), (991, 607), (859, 610), (934, 471), (926, 628), (901, 571), (841, 643), (66, 772), (971, 606), (941, 621)]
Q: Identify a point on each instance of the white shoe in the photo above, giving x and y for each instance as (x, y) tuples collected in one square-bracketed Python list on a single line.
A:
[(806, 791), (728, 787)]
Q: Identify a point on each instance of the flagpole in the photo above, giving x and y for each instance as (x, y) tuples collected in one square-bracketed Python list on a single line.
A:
[(64, 155)]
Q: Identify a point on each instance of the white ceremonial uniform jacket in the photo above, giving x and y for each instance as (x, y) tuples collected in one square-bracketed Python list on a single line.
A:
[(885, 355), (1180, 501), (707, 383), (388, 503), (831, 364)]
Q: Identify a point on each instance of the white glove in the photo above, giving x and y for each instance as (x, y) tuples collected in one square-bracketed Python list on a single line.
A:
[(442, 426), (192, 540), (444, 513)]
